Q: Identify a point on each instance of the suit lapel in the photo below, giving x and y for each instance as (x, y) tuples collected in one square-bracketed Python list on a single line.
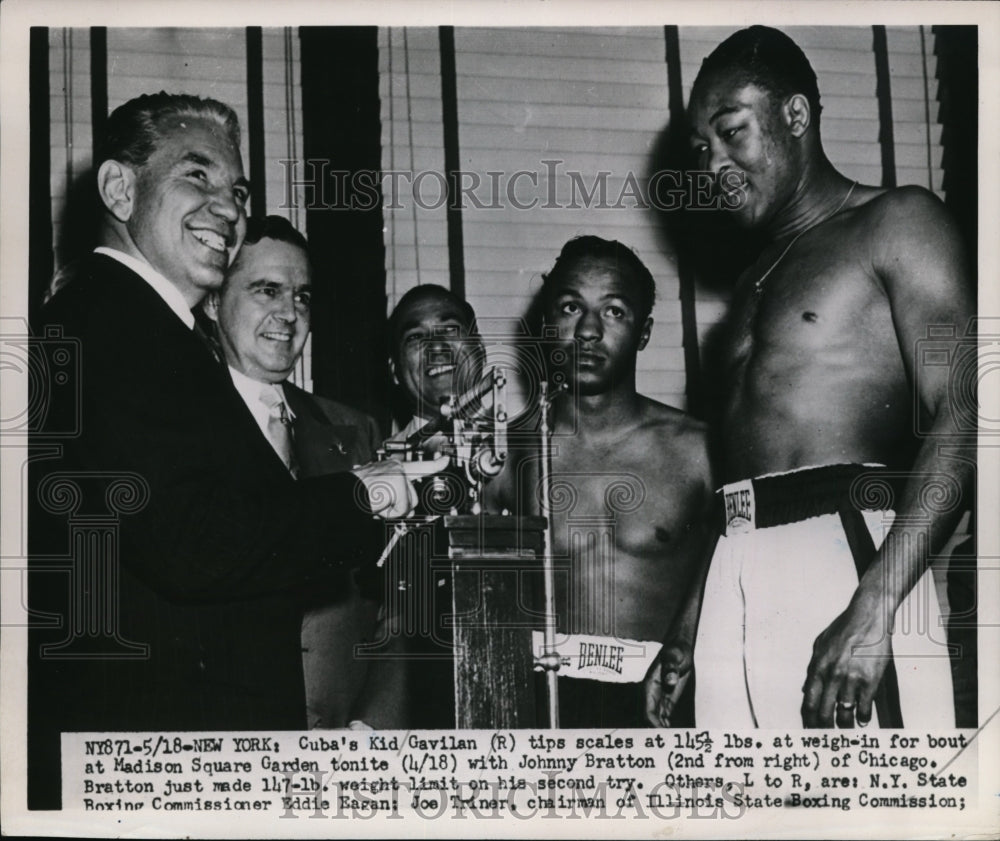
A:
[(321, 446)]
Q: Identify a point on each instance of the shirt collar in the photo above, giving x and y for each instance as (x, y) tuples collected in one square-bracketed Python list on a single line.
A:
[(250, 390), (170, 294)]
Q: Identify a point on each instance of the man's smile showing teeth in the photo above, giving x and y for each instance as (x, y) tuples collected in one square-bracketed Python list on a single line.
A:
[(437, 370), (278, 337), (210, 239)]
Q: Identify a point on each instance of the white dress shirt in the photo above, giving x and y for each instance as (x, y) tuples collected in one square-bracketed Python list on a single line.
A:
[(170, 294), (250, 390)]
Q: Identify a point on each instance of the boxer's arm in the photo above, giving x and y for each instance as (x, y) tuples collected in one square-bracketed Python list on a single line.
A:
[(669, 673), (918, 257)]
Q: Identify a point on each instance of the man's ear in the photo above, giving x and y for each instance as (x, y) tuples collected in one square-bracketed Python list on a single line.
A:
[(392, 371), (116, 186), (647, 329), (211, 306), (797, 114)]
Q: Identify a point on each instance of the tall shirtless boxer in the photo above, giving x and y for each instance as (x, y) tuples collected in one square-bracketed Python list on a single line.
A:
[(797, 622), (630, 484)]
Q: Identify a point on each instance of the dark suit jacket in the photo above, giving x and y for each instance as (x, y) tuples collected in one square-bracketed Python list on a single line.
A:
[(214, 542), (330, 437)]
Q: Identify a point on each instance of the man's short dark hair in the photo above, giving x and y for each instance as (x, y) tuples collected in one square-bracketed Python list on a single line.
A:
[(133, 129), (427, 292), (590, 248), (274, 227), (769, 59)]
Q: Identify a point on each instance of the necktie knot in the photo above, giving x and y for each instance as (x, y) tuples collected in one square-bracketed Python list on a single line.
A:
[(272, 397)]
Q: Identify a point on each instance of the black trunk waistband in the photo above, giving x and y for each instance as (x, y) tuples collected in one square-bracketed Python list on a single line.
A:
[(796, 496), (844, 489)]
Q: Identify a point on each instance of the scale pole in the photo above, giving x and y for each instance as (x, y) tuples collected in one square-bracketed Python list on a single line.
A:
[(550, 659)]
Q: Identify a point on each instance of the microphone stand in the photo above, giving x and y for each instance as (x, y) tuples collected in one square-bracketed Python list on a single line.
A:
[(550, 657)]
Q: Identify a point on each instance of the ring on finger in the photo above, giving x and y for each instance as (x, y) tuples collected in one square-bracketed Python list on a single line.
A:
[(846, 705)]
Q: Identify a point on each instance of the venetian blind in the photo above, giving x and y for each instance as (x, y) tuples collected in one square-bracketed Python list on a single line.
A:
[(416, 237), (916, 130), (569, 120)]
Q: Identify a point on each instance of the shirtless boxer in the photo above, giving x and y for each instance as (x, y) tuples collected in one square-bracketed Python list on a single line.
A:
[(821, 369), (637, 473)]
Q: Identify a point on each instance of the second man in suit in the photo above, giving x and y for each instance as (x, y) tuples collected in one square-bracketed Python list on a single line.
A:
[(262, 316)]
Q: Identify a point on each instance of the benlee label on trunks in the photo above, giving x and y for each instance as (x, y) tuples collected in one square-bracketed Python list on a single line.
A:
[(741, 513), (599, 658)]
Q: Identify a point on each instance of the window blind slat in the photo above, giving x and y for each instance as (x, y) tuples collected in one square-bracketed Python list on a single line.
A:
[(593, 99), (416, 239), (914, 109)]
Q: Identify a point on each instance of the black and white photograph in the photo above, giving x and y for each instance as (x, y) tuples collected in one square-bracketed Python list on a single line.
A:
[(502, 419)]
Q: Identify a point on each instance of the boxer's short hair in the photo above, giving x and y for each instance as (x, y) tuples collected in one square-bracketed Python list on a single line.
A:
[(767, 58), (587, 248)]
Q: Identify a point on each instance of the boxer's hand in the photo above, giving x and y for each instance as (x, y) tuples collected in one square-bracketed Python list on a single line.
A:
[(848, 661), (389, 484), (666, 681)]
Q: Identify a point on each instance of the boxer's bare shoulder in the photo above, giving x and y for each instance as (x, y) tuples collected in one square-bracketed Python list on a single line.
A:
[(683, 429), (818, 328), (671, 444), (661, 445), (910, 230)]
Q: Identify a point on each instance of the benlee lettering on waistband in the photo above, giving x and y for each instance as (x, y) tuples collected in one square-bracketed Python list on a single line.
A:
[(792, 497), (741, 507), (605, 659)]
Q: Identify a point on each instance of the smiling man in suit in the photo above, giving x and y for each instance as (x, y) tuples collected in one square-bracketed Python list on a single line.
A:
[(195, 620), (262, 314)]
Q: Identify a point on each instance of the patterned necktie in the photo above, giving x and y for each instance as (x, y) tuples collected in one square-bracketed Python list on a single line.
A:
[(279, 425), (207, 341)]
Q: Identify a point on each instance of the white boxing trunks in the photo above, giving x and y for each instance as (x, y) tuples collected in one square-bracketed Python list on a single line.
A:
[(787, 563)]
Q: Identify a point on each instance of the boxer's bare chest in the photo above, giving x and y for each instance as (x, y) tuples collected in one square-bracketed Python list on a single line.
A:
[(807, 306), (812, 361), (633, 487)]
